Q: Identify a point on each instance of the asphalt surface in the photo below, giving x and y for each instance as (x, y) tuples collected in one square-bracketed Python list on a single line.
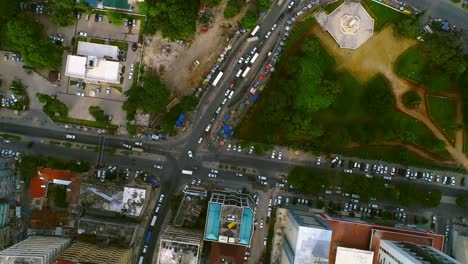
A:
[(173, 151)]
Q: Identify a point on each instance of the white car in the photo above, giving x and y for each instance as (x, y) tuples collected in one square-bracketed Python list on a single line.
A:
[(229, 147), (158, 167), (224, 101), (291, 4), (214, 171), (231, 94), (70, 136), (79, 94), (139, 143), (190, 154), (200, 140), (273, 27), (218, 110), (265, 241), (261, 224), (319, 160), (251, 149), (273, 154), (268, 34), (208, 127), (145, 248), (161, 198), (130, 76), (280, 155), (84, 34), (238, 174), (211, 175), (241, 60), (108, 90)]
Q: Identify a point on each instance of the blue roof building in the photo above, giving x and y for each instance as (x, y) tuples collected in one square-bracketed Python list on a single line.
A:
[(230, 218)]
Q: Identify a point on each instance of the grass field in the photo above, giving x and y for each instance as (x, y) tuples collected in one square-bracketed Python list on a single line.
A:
[(411, 64), (437, 81), (443, 111), (329, 8), (382, 15)]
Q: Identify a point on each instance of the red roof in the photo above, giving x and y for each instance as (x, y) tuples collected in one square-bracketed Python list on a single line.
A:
[(45, 176), (367, 236), (233, 253)]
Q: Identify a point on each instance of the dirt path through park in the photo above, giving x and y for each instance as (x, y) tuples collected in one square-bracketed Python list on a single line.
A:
[(378, 55)]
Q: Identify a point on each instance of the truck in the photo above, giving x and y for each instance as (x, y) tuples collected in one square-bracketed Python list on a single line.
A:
[(252, 39), (187, 172), (245, 72), (254, 58), (216, 81), (153, 221), (255, 30), (194, 65), (137, 149), (148, 237)]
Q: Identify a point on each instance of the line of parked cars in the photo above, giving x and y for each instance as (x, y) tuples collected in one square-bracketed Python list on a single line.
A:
[(9, 153)]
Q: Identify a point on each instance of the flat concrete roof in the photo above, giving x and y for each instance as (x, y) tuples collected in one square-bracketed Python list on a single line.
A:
[(353, 256), (350, 25), (102, 70), (98, 50)]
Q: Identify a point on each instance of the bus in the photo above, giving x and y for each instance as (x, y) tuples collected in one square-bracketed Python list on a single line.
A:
[(141, 260), (187, 172), (255, 30), (245, 72), (153, 221), (254, 58), (215, 82), (148, 237)]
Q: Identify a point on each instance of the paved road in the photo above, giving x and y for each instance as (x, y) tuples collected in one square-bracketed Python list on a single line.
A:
[(442, 9)]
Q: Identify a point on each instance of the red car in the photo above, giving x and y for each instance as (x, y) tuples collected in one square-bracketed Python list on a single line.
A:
[(233, 83)]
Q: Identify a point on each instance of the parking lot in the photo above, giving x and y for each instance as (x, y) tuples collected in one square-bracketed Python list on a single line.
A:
[(106, 29)]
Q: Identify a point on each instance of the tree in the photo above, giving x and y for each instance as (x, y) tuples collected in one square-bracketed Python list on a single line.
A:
[(59, 195), (62, 17), (153, 97), (98, 114), (52, 106), (307, 181), (28, 168), (408, 26), (211, 3), (115, 17), (446, 51), (431, 199), (233, 8), (461, 201), (249, 21), (411, 99), (263, 5)]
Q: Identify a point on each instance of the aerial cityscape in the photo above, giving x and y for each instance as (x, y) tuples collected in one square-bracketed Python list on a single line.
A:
[(234, 131)]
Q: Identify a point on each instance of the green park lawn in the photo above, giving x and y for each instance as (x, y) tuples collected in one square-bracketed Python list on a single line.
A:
[(411, 65), (329, 8), (360, 113), (382, 15), (443, 111)]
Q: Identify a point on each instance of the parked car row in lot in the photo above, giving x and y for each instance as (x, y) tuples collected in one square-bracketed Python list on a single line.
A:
[(9, 153), (14, 57)]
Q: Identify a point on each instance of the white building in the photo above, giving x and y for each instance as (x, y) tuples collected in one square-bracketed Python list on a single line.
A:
[(35, 250), (306, 238), (392, 252), (353, 256), (94, 63)]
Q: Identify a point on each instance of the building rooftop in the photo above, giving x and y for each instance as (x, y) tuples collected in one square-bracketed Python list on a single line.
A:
[(83, 252), (183, 244), (230, 253), (93, 69), (230, 218), (350, 25), (353, 256), (191, 207), (108, 231), (366, 236), (98, 50)]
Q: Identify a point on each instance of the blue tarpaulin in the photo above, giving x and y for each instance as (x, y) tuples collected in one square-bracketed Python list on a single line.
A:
[(177, 123), (226, 117), (255, 98), (226, 128), (181, 118)]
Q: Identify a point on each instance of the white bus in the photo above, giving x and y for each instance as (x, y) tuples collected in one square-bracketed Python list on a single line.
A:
[(187, 172), (153, 221), (245, 72), (215, 82), (141, 260), (255, 30), (254, 58)]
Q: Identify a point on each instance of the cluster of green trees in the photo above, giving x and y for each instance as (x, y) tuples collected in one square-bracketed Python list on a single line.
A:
[(52, 106), (175, 18), (411, 99), (20, 32), (249, 21), (152, 97), (64, 11), (313, 181), (19, 89), (98, 114), (233, 8), (408, 26), (28, 166)]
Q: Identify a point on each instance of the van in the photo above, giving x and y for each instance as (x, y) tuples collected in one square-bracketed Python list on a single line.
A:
[(262, 178), (239, 73), (231, 94)]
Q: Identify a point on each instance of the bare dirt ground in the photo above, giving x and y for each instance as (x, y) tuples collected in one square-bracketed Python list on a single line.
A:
[(205, 48), (378, 55)]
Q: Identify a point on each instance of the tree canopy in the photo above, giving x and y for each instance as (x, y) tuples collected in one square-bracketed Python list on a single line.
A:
[(175, 18), (446, 51), (233, 8), (411, 99), (249, 21), (152, 97), (98, 113)]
